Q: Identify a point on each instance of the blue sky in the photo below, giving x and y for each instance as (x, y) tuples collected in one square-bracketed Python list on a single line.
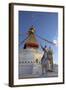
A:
[(46, 25)]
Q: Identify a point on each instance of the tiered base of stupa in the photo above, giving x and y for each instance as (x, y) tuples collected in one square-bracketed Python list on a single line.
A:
[(30, 62)]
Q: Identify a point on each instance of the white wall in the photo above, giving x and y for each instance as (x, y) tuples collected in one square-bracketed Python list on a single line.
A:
[(4, 44)]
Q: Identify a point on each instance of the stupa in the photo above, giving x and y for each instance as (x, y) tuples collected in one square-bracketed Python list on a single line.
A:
[(30, 56)]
